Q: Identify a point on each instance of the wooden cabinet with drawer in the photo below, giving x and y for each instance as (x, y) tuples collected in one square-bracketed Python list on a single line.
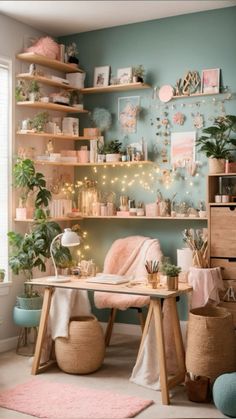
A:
[(222, 223), (223, 231)]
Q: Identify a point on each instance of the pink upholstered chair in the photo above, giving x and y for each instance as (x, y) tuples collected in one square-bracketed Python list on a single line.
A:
[(127, 256)]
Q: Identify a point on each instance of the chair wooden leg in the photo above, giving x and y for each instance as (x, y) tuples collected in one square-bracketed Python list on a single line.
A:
[(110, 326), (141, 318)]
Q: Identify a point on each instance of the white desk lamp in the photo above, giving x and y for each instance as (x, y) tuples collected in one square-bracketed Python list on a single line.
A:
[(68, 239)]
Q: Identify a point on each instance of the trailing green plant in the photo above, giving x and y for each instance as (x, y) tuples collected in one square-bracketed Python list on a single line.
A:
[(113, 147), (28, 180), (170, 270), (218, 142), (20, 91), (39, 121)]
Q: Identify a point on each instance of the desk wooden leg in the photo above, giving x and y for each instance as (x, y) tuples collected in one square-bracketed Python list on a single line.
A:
[(42, 329), (157, 311), (178, 339)]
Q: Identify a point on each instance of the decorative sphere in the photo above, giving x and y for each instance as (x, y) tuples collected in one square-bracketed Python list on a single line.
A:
[(224, 394)]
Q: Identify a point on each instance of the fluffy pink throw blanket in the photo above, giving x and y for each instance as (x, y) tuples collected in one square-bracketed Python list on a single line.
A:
[(127, 257)]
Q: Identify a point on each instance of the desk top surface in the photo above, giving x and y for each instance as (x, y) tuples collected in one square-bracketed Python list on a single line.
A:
[(125, 288)]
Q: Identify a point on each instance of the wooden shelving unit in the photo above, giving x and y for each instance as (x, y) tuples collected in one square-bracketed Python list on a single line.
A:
[(54, 136), (51, 107), (115, 217), (115, 88), (33, 58), (45, 80), (113, 164)]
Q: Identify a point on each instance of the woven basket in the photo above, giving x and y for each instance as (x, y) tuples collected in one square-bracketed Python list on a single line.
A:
[(83, 352), (211, 343)]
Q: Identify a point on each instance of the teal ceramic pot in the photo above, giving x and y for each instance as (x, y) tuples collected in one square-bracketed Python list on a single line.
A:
[(26, 318)]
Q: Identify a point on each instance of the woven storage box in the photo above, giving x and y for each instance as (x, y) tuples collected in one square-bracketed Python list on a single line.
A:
[(231, 307), (211, 344), (83, 352)]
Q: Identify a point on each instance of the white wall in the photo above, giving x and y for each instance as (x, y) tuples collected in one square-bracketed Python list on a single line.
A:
[(13, 35)]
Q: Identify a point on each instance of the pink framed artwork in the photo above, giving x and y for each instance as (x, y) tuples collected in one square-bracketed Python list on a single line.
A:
[(211, 80), (182, 148)]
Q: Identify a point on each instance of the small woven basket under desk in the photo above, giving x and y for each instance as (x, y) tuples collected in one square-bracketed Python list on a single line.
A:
[(211, 344), (83, 352)]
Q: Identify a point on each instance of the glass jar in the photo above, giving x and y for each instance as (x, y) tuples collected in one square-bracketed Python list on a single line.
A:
[(88, 194)]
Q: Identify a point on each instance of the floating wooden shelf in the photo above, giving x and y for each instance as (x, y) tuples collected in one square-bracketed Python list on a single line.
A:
[(46, 80), (200, 94), (51, 106), (222, 204), (113, 164), (55, 136), (222, 174), (115, 88), (30, 220), (30, 57)]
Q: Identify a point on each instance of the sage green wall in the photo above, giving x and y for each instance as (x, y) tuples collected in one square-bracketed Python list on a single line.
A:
[(167, 48)]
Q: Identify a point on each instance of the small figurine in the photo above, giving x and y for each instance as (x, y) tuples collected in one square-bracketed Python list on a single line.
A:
[(49, 148)]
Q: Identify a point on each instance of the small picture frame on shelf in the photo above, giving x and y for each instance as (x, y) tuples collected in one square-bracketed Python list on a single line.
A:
[(211, 80), (124, 75), (101, 76)]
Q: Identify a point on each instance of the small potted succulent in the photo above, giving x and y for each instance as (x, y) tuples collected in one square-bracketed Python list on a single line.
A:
[(138, 73), (39, 121), (172, 276), (112, 151), (34, 90)]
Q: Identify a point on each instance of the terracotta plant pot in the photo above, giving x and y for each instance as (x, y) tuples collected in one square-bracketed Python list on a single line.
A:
[(172, 283)]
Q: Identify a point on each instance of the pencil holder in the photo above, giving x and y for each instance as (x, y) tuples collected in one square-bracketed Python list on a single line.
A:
[(153, 279)]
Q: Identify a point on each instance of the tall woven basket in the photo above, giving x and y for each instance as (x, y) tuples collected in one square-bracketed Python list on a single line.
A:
[(83, 352), (211, 344)]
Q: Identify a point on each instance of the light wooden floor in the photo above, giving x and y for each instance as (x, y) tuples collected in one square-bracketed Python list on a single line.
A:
[(113, 375)]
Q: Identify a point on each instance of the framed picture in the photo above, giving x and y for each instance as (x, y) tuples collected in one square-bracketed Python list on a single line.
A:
[(211, 80), (182, 148), (124, 75), (101, 76), (128, 108)]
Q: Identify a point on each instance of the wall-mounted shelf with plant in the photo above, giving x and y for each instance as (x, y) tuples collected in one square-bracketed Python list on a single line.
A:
[(45, 80), (115, 88), (51, 106), (55, 136), (113, 163), (30, 57)]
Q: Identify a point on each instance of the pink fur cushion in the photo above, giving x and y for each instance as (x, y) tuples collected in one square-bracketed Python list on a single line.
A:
[(47, 47)]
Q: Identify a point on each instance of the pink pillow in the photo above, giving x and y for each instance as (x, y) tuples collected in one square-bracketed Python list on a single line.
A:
[(47, 47)]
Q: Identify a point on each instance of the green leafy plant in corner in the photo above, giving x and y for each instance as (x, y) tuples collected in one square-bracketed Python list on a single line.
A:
[(113, 147), (33, 87), (217, 143), (139, 71), (170, 270), (28, 180)]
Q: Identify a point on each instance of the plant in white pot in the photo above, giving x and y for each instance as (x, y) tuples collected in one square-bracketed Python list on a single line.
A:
[(218, 144), (138, 73), (112, 151), (34, 91)]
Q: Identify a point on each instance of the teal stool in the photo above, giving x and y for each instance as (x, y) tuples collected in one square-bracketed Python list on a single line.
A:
[(28, 320), (224, 394)]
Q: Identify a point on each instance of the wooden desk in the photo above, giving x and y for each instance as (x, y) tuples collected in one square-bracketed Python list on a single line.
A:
[(155, 311)]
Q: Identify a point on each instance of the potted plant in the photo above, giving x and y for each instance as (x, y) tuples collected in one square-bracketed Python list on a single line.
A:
[(112, 151), (20, 91), (172, 275), (138, 73), (2, 275), (39, 121), (28, 181), (217, 144), (33, 90), (71, 52), (101, 157)]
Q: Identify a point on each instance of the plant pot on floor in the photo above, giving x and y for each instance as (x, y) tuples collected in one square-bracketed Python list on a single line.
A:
[(26, 318), (29, 303), (216, 165)]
